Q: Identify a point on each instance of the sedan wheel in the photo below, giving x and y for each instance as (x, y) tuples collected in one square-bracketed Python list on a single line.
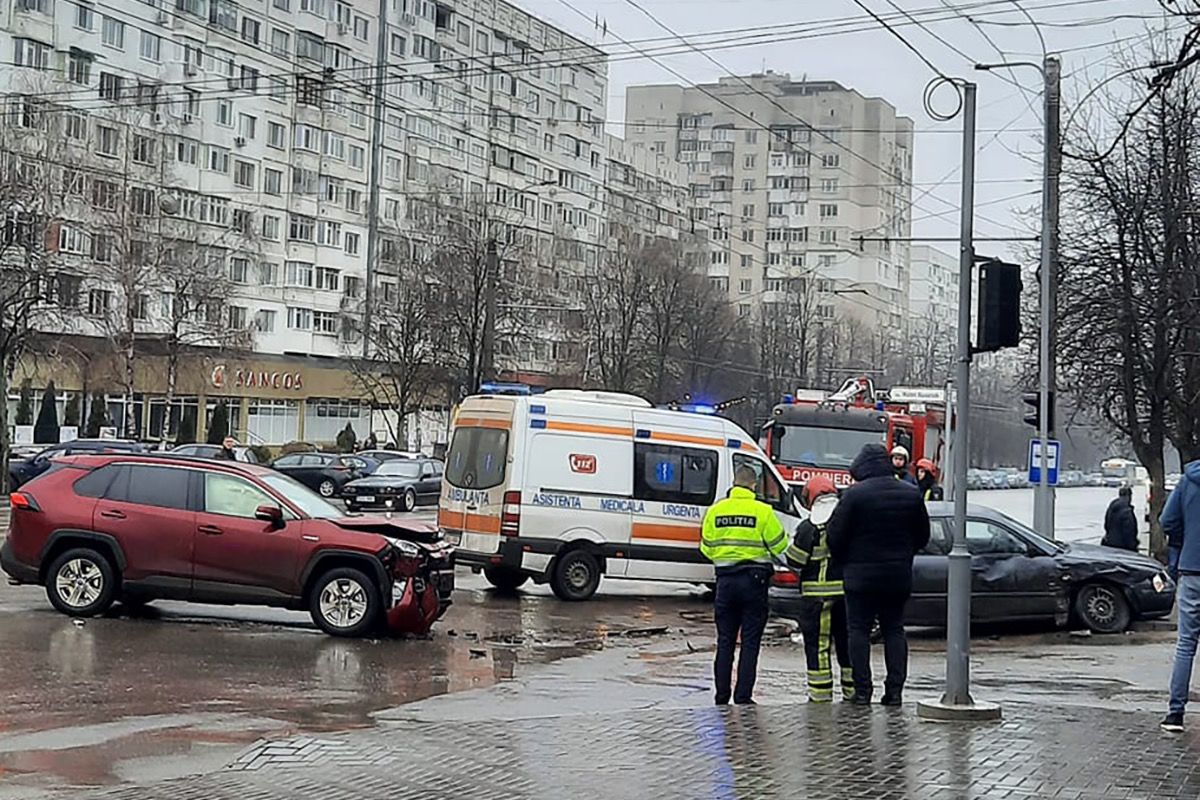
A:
[(1102, 608), (410, 500), (345, 602), (326, 488)]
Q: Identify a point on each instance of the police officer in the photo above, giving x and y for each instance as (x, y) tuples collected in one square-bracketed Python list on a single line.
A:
[(823, 607), (743, 538)]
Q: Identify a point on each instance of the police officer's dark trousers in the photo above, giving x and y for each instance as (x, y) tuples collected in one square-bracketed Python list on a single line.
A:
[(740, 606)]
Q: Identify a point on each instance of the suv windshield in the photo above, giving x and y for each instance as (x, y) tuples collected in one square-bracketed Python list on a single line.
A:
[(309, 502), (477, 458), (803, 446)]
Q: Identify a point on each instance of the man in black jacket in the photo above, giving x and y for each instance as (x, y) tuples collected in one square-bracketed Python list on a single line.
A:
[(879, 524), (1120, 522)]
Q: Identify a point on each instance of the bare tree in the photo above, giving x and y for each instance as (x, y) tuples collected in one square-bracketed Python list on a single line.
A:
[(616, 302)]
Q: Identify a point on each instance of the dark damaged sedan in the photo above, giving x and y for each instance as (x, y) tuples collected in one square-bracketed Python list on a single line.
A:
[(399, 484), (1019, 575)]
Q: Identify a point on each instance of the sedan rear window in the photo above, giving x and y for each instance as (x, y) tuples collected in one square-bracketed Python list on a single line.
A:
[(477, 458)]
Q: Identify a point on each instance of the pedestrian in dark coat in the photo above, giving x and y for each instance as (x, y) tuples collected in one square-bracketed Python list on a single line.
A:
[(1120, 522), (879, 524)]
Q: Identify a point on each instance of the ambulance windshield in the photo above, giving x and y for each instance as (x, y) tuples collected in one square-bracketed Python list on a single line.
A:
[(833, 448)]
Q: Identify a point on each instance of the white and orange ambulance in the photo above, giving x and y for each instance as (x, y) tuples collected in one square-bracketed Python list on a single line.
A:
[(567, 486)]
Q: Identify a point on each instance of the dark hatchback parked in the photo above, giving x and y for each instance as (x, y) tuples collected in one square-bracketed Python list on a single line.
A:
[(401, 484), (25, 470), (97, 529), (1019, 575), (325, 474)]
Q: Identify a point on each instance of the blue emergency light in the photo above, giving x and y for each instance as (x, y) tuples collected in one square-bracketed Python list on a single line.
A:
[(492, 387), (788, 399)]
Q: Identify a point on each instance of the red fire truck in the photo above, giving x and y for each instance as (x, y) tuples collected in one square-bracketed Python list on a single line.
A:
[(810, 435)]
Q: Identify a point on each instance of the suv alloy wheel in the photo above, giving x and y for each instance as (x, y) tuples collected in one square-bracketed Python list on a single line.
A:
[(345, 602), (81, 583)]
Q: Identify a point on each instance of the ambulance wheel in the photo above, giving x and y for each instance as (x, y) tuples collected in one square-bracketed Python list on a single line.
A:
[(504, 578), (575, 575)]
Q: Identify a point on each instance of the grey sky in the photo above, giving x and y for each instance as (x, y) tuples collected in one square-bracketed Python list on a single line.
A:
[(876, 63)]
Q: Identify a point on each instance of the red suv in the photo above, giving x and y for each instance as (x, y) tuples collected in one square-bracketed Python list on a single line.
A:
[(99, 528)]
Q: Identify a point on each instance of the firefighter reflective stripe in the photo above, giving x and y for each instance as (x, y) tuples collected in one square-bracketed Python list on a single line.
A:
[(741, 529), (796, 556), (820, 680), (822, 589), (847, 683)]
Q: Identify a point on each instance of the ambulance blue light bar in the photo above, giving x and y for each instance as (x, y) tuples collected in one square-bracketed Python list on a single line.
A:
[(494, 387)]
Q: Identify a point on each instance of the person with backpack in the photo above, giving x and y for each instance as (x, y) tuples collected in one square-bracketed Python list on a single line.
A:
[(823, 607)]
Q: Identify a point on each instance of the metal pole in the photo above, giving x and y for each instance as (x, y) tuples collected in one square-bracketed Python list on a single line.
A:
[(381, 52), (958, 613), (1043, 503)]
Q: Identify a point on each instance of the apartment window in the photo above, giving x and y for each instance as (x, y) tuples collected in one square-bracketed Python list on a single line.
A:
[(355, 156), (829, 185), (243, 174), (143, 149), (102, 248), (270, 227), (825, 261), (225, 113), (251, 28), (301, 228), (746, 260), (830, 160), (236, 317), (79, 68), (268, 274), (306, 137), (748, 211), (325, 322), (281, 42), (112, 32), (828, 236), (310, 46), (186, 151), (362, 28), (218, 160), (247, 126), (276, 135), (745, 285), (110, 86), (76, 125), (31, 53), (329, 233), (481, 42), (352, 286), (99, 302), (748, 185), (304, 181), (278, 89), (749, 162), (353, 200), (248, 78), (72, 241), (328, 278), (191, 104), (272, 181), (352, 243), (151, 46), (335, 146), (282, 5), (264, 321), (398, 44), (743, 310), (85, 17), (298, 273), (775, 259), (747, 234), (828, 210), (108, 140), (752, 137), (239, 270), (300, 319), (358, 115)]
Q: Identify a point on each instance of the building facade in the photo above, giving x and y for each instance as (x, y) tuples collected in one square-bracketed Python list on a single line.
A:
[(785, 177), (265, 136), (933, 290)]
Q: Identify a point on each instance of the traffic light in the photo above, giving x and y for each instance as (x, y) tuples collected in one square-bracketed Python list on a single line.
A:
[(1034, 415), (999, 306)]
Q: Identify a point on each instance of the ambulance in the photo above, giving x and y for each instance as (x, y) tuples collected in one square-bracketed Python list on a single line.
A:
[(569, 486)]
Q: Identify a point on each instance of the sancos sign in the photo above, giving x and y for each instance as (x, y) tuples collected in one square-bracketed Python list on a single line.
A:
[(223, 378)]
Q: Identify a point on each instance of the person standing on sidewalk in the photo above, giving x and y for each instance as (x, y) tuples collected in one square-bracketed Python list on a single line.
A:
[(1181, 524), (1120, 522), (822, 606), (879, 524), (743, 539)]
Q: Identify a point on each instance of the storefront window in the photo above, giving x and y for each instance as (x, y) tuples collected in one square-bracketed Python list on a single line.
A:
[(325, 418), (158, 406), (116, 415), (273, 421)]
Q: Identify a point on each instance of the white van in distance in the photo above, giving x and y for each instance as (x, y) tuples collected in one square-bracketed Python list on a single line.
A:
[(567, 486)]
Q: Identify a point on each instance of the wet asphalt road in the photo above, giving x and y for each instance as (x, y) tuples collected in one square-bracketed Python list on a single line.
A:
[(183, 688)]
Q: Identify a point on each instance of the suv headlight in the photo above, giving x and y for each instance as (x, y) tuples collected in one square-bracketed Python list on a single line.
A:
[(405, 547)]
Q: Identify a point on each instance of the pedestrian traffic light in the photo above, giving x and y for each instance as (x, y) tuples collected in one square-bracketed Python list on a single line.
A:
[(999, 306), (1034, 415)]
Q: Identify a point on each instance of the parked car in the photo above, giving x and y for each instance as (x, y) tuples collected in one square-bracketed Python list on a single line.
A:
[(364, 464), (400, 483), (1019, 575), (135, 528), (324, 473), (1094, 479), (1016, 480), (244, 454), (20, 472)]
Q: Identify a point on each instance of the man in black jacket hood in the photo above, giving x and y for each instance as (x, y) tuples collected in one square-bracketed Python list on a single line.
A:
[(879, 524)]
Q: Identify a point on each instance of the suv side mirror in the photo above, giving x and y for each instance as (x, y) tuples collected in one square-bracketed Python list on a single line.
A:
[(271, 514)]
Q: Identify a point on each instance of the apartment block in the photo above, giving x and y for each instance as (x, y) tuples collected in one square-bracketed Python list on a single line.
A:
[(933, 291), (646, 191), (791, 180), (251, 128)]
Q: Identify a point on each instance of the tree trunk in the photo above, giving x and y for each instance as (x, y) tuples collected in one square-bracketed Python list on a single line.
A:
[(4, 443), (172, 378), (130, 422)]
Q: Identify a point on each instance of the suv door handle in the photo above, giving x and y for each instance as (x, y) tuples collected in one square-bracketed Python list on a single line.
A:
[(113, 513), (210, 530)]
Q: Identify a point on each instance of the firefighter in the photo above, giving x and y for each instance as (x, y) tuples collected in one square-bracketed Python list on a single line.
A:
[(927, 481), (743, 539), (900, 459), (823, 608)]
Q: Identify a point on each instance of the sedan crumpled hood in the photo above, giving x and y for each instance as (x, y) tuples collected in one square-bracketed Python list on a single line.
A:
[(1103, 558), (412, 530), (380, 481)]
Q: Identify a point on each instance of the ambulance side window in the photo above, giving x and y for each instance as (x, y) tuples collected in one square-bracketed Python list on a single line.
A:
[(769, 490), (674, 474)]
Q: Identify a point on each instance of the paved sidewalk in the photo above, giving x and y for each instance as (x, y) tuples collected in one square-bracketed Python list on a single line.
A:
[(814, 752)]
